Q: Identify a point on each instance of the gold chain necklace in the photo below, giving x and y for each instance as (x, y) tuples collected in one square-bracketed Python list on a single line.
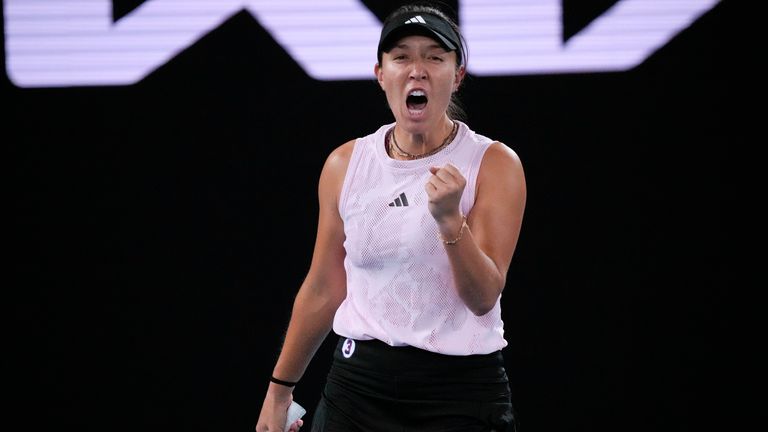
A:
[(395, 148)]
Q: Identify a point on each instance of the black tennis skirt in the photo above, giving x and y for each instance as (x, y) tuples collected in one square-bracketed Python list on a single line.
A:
[(374, 387)]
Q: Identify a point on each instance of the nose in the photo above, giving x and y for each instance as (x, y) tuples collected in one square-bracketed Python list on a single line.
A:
[(418, 71)]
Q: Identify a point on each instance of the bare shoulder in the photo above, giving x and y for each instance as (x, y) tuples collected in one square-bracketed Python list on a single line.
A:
[(501, 188), (338, 159), (335, 169), (501, 160)]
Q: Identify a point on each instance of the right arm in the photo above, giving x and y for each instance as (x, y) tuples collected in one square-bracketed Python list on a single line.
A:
[(320, 294)]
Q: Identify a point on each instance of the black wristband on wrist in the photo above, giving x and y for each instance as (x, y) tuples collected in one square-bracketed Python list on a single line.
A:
[(282, 383)]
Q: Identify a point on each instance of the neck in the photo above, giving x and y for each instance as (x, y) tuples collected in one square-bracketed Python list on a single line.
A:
[(421, 142), (396, 151)]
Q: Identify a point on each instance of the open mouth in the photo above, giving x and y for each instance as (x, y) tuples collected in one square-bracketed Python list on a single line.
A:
[(416, 100)]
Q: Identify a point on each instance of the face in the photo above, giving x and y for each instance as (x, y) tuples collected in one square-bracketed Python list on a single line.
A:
[(418, 77)]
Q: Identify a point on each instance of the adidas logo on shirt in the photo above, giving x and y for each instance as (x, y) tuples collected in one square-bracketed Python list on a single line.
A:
[(400, 201), (416, 19)]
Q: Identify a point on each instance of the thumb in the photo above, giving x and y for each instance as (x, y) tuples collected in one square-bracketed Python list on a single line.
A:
[(434, 169)]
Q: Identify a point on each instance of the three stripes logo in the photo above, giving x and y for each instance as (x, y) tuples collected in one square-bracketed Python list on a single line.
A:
[(400, 201), (416, 19)]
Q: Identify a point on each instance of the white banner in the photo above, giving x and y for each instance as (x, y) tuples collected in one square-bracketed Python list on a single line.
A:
[(57, 43)]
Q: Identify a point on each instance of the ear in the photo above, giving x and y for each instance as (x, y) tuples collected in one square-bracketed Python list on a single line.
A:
[(379, 75), (460, 73)]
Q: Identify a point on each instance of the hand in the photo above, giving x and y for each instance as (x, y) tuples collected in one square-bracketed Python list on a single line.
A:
[(274, 412), (296, 425), (444, 189)]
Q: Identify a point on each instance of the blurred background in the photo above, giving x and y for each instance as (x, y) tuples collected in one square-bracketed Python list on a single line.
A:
[(163, 205)]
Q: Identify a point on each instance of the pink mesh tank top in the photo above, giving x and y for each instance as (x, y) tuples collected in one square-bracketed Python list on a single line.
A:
[(400, 288)]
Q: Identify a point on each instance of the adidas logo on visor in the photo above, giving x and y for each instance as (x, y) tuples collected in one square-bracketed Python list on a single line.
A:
[(416, 19)]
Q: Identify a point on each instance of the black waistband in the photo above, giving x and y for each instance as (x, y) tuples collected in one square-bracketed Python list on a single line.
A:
[(407, 360)]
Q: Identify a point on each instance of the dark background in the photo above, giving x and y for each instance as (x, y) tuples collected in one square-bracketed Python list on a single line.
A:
[(158, 234)]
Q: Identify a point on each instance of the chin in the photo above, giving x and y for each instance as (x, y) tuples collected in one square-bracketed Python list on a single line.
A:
[(415, 120)]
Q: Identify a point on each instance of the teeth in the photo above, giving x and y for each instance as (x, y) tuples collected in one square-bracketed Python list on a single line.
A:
[(416, 93)]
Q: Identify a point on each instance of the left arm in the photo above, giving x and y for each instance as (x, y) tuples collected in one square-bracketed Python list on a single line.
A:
[(481, 258)]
